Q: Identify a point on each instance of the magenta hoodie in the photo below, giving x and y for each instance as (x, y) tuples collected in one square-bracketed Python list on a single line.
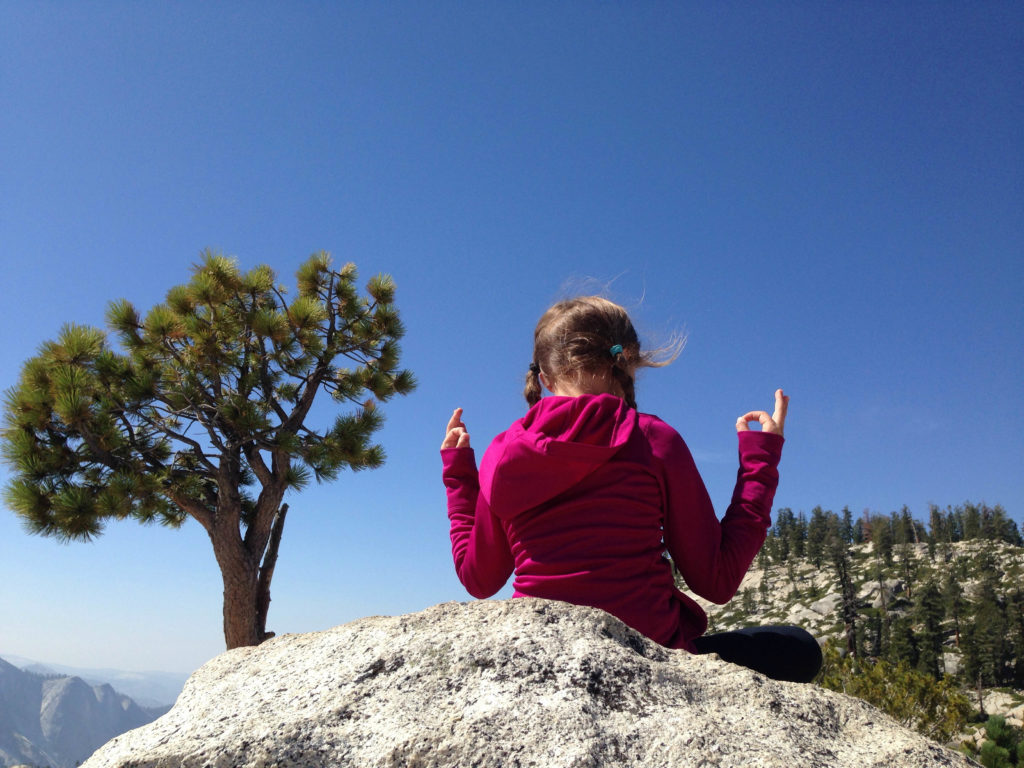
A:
[(581, 498)]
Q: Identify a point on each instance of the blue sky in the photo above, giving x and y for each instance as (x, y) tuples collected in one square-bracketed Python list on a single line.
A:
[(824, 197)]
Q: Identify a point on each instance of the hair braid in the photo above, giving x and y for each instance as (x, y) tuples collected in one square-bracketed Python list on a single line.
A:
[(532, 391), (620, 371)]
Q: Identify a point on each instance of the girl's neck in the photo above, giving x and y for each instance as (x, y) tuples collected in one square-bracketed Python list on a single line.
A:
[(585, 385)]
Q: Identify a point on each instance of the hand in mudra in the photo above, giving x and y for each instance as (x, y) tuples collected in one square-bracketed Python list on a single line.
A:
[(455, 434), (773, 423)]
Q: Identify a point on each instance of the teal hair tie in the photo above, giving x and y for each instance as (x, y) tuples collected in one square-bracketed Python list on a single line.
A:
[(616, 350)]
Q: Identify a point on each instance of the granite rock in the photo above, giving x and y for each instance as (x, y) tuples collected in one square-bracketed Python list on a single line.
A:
[(504, 683)]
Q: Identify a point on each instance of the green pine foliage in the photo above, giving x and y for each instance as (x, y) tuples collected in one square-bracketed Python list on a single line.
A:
[(1003, 746), (933, 708), (201, 411)]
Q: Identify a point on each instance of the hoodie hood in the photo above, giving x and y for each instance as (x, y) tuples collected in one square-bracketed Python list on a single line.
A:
[(559, 442)]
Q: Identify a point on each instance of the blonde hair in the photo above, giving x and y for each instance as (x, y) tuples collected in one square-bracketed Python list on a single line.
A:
[(591, 335)]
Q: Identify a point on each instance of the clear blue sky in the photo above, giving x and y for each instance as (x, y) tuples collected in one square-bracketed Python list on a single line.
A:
[(828, 197)]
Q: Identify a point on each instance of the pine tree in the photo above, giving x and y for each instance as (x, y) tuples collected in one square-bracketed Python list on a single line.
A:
[(937, 533), (953, 524), (781, 535), (874, 641), (749, 601), (1003, 746), (1015, 623), (204, 414), (909, 526), (763, 587), (908, 567), (928, 613), (985, 646), (862, 529), (971, 516), (933, 708), (882, 642), (882, 538), (763, 557), (791, 575), (903, 645), (954, 601), (797, 534), (840, 557), (846, 528), (817, 532)]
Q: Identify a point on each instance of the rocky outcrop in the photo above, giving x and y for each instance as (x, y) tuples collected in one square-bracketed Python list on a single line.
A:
[(59, 721), (504, 683)]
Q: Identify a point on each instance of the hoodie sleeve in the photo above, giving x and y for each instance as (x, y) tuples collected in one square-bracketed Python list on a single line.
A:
[(483, 561), (714, 556)]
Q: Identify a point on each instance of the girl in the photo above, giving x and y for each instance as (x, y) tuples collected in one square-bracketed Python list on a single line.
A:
[(583, 495)]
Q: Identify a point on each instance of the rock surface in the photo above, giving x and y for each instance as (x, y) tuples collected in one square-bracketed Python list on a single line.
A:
[(504, 683)]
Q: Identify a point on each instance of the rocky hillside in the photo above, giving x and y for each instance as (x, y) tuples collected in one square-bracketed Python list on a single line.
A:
[(511, 683), (889, 609), (60, 721)]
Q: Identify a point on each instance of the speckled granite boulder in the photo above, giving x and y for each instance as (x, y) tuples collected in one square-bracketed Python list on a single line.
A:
[(511, 683)]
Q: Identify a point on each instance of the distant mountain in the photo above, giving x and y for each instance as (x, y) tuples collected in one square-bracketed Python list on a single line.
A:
[(147, 689), (60, 721)]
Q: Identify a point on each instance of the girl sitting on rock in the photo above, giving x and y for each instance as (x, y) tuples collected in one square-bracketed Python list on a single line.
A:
[(582, 496)]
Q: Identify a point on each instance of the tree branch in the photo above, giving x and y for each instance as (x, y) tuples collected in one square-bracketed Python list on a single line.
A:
[(267, 504), (197, 449), (267, 573), (197, 511), (259, 467), (196, 414)]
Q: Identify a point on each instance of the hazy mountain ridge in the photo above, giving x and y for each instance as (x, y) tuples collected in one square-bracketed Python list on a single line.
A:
[(60, 721), (147, 689)]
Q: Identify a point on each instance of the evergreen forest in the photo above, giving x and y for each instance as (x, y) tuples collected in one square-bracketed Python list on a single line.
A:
[(923, 619)]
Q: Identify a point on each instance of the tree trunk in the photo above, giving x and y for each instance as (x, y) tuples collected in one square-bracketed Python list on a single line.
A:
[(981, 699), (240, 574)]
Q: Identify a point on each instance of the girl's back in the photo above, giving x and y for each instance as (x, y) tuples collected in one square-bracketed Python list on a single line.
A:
[(582, 497)]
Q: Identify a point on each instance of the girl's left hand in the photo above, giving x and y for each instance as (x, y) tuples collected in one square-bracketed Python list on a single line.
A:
[(455, 435), (773, 424)]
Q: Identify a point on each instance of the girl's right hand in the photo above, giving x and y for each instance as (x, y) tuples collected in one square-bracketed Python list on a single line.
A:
[(455, 435), (773, 424)]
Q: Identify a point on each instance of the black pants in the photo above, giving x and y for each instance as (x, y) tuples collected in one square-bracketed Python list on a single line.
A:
[(781, 653)]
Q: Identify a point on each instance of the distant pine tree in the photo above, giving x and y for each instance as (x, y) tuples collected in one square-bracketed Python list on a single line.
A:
[(1015, 623), (903, 642), (985, 646), (929, 613), (972, 522), (846, 528), (817, 533), (954, 602), (798, 536), (840, 557), (882, 538)]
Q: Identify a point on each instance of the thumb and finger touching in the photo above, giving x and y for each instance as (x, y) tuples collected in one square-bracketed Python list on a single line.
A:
[(773, 424), (456, 435)]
